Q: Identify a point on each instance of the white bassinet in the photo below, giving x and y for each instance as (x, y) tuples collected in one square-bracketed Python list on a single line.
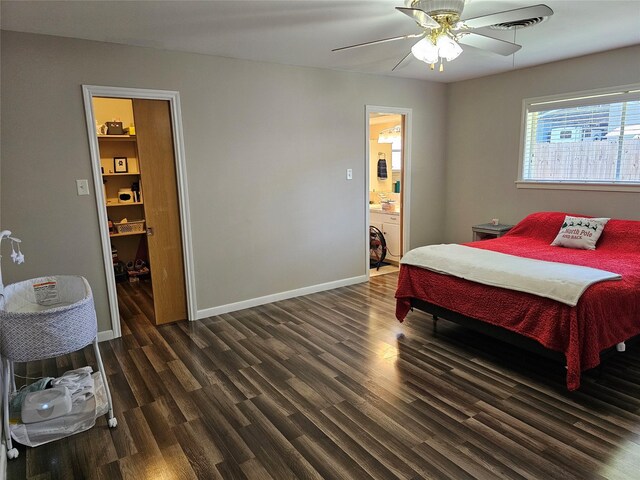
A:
[(43, 318)]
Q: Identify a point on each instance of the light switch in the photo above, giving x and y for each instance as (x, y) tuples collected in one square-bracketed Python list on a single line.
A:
[(349, 173), (83, 187)]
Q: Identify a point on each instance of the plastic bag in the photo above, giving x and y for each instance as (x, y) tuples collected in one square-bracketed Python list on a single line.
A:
[(82, 417)]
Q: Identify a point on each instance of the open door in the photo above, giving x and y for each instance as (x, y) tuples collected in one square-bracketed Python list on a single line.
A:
[(386, 197), (162, 211)]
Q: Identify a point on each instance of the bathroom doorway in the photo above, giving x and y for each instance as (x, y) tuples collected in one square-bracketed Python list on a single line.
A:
[(387, 158)]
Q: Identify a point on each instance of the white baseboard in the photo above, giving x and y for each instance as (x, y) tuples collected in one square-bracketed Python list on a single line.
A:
[(105, 335), (3, 461), (254, 302)]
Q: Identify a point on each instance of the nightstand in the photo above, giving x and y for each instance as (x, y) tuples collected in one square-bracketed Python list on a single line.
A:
[(485, 231)]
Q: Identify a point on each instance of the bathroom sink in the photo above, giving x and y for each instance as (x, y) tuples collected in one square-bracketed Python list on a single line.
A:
[(377, 207)]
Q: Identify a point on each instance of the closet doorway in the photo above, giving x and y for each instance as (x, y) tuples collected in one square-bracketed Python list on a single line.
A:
[(139, 179), (387, 199)]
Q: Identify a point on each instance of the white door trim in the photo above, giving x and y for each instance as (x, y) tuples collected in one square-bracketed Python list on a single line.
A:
[(90, 91), (405, 186)]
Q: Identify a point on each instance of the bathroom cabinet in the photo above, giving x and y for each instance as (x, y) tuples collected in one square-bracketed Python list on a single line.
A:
[(389, 225)]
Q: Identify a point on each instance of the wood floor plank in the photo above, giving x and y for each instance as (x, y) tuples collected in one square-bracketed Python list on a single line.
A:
[(158, 425), (141, 433), (180, 397), (108, 471), (322, 455), (200, 450), (267, 441), (253, 468), (279, 465), (178, 466), (122, 438), (219, 427), (264, 385), (331, 386), (345, 442), (144, 465), (183, 375), (236, 386)]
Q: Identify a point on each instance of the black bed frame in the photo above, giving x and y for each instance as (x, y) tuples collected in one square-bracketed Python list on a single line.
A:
[(498, 333)]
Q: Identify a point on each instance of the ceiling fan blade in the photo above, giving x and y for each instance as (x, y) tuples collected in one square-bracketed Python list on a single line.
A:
[(484, 42), (374, 42), (424, 20), (509, 16), (401, 61)]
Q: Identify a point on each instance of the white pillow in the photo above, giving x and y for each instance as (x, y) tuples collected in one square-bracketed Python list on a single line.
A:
[(580, 232)]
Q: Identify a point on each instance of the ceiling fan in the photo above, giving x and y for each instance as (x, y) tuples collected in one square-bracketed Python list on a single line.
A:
[(443, 30)]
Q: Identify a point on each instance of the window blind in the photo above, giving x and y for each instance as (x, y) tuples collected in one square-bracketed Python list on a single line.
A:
[(583, 139)]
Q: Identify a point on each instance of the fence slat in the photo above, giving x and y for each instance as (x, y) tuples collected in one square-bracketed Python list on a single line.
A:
[(581, 161)]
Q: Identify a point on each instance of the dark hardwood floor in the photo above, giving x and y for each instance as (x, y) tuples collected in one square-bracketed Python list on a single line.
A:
[(323, 386)]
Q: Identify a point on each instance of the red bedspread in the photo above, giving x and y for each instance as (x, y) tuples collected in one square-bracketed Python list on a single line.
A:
[(607, 313)]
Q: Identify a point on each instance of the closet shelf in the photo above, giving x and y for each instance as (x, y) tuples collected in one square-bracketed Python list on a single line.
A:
[(118, 138), (123, 204), (127, 234), (120, 174)]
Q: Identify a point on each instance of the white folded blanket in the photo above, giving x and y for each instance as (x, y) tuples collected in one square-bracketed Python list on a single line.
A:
[(559, 281), (79, 382)]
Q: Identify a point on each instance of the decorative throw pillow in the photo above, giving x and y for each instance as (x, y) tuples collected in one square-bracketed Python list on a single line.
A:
[(580, 232)]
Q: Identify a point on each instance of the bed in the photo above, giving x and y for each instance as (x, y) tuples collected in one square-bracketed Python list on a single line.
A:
[(606, 314)]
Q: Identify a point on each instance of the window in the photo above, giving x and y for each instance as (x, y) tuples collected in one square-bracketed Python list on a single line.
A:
[(396, 154), (582, 141)]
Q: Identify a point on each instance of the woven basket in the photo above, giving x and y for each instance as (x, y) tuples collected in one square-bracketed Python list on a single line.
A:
[(130, 227)]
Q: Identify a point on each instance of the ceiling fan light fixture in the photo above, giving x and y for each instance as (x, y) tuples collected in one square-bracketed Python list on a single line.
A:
[(448, 48), (434, 50), (425, 51)]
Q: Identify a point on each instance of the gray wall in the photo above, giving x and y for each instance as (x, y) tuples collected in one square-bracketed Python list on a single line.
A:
[(267, 147), (483, 143)]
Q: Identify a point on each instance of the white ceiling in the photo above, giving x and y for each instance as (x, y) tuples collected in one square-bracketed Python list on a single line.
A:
[(301, 32)]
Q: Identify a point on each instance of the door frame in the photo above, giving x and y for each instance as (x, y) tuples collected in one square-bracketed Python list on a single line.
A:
[(173, 97), (405, 185)]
